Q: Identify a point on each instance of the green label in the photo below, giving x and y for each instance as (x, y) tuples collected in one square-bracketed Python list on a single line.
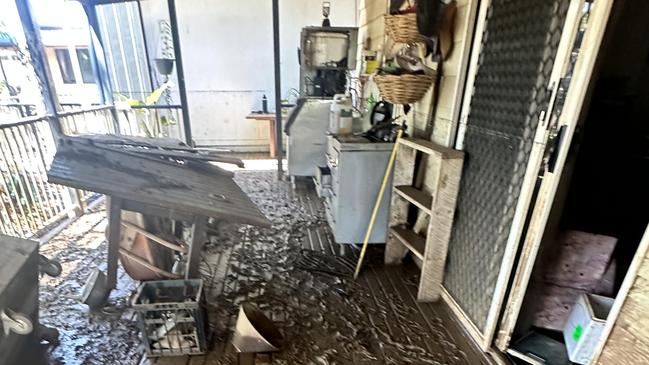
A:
[(576, 334)]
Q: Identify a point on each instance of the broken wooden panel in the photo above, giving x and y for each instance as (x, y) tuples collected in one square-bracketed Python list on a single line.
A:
[(190, 187), (577, 264), (579, 260)]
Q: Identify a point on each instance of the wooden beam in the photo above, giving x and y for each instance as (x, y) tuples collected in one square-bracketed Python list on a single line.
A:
[(431, 148), (196, 248), (155, 238), (446, 187), (471, 72), (114, 229)]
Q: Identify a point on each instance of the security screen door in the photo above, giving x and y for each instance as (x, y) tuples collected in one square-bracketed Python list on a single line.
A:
[(505, 135)]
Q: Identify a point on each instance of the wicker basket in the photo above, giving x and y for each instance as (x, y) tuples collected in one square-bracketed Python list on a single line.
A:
[(403, 28), (403, 89)]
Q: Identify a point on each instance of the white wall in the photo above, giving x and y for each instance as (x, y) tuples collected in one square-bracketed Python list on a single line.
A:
[(227, 49)]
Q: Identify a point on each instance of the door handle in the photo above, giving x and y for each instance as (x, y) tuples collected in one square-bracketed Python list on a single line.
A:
[(552, 161)]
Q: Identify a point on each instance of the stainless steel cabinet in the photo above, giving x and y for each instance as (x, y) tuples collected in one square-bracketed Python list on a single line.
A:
[(307, 137), (350, 184)]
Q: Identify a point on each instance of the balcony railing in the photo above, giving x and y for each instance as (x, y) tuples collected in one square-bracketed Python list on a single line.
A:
[(152, 121), (28, 203), (14, 111), (95, 120)]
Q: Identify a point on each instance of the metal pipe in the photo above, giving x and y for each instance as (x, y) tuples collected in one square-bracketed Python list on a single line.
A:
[(4, 75), (278, 90), (173, 21), (156, 106), (41, 68), (146, 45), (96, 46)]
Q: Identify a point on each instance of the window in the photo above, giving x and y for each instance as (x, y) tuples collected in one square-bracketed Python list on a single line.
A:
[(85, 65), (65, 65)]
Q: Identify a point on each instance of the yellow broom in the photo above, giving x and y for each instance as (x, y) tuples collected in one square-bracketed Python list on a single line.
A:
[(377, 204)]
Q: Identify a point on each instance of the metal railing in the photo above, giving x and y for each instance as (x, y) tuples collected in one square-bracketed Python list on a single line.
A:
[(13, 111), (28, 203), (95, 120), (152, 121)]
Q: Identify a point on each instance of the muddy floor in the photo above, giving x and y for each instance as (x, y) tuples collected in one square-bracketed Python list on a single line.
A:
[(293, 271), (105, 337)]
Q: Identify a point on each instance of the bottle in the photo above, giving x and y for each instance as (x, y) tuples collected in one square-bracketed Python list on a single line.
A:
[(264, 104)]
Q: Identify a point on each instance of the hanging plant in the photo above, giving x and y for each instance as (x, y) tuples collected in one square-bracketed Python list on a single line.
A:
[(166, 40)]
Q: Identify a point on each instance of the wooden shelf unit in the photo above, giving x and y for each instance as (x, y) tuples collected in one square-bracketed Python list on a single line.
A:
[(414, 242), (415, 196), (436, 199)]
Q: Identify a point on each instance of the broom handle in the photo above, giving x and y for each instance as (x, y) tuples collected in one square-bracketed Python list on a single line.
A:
[(377, 204)]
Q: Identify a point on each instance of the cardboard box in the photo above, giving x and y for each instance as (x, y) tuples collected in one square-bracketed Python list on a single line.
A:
[(585, 325)]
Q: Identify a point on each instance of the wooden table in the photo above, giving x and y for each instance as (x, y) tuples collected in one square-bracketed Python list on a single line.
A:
[(139, 179), (272, 140)]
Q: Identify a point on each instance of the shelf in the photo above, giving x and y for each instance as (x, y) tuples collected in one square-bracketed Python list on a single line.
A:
[(410, 239), (417, 197), (430, 148)]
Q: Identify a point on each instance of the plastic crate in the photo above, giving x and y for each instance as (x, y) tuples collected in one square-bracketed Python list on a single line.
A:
[(171, 317)]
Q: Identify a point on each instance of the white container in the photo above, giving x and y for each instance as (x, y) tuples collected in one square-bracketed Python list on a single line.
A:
[(325, 48), (341, 116), (584, 327)]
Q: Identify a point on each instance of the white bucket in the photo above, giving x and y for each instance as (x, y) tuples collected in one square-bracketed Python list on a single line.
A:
[(254, 332)]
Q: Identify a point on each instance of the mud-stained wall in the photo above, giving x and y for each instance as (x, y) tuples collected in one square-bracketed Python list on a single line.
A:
[(227, 49)]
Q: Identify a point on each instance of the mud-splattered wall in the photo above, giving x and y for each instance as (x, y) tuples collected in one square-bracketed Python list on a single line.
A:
[(227, 49)]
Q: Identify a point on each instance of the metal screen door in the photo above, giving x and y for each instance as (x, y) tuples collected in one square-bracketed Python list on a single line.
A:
[(509, 96), (583, 31)]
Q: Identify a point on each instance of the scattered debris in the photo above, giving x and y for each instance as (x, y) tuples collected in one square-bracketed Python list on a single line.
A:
[(324, 319)]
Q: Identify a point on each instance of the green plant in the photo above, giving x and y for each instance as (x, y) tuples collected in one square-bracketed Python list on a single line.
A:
[(148, 123)]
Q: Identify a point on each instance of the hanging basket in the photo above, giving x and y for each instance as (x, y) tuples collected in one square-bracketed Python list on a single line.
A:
[(402, 28), (403, 89)]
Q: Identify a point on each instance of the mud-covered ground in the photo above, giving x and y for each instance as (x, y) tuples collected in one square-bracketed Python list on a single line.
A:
[(105, 337), (325, 318)]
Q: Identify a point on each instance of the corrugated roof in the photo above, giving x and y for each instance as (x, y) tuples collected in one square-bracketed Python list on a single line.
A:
[(189, 186)]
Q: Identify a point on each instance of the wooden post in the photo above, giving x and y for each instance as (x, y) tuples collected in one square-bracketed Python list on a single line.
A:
[(114, 229), (196, 248)]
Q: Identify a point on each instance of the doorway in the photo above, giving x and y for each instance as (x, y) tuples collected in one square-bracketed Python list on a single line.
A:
[(599, 212)]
